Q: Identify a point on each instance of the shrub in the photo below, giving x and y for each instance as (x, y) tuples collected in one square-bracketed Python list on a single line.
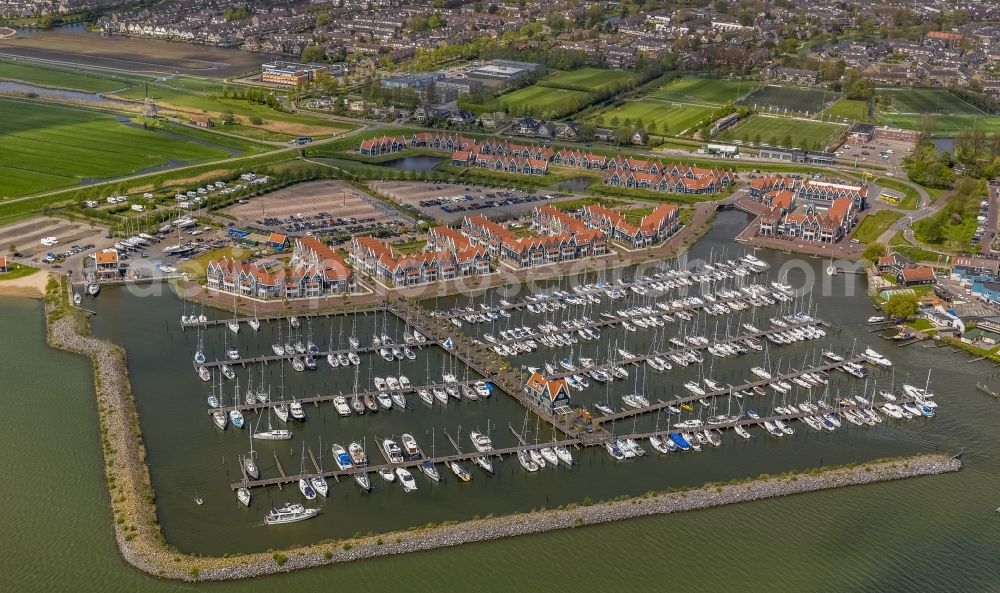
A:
[(279, 558)]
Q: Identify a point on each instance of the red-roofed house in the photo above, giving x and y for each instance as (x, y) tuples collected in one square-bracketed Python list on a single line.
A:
[(549, 393), (655, 227), (314, 270), (916, 275), (107, 265)]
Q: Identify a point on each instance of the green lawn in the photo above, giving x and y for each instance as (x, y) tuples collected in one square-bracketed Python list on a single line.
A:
[(276, 126), (848, 109), (17, 271), (874, 225), (587, 79), (543, 101), (63, 79), (917, 101), (774, 131), (708, 91), (944, 125), (669, 119), (47, 146), (793, 99), (900, 244)]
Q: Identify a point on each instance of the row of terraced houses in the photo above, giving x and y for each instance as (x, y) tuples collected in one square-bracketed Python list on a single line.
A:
[(314, 270), (532, 159), (810, 210), (451, 255)]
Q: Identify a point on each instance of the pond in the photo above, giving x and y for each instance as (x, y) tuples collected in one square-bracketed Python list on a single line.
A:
[(414, 163)]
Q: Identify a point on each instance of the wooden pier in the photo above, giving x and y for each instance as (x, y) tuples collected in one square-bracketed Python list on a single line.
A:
[(319, 356), (505, 451), (639, 359), (318, 399), (680, 400), (269, 318)]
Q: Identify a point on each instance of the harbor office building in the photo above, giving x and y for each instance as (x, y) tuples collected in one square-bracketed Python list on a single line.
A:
[(551, 394), (314, 270)]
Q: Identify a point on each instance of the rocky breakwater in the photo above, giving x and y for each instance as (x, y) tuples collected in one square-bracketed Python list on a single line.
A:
[(132, 501)]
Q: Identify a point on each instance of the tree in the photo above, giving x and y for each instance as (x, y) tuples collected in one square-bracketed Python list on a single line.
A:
[(901, 305), (873, 252), (313, 53)]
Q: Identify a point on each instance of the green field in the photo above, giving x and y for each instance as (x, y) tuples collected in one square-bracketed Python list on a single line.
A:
[(945, 126), (63, 79), (917, 101), (794, 99), (277, 125), (707, 91), (873, 225), (587, 79), (848, 109), (774, 131), (669, 119), (47, 147), (544, 101)]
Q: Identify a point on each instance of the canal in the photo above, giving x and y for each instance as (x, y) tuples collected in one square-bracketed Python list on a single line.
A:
[(919, 535)]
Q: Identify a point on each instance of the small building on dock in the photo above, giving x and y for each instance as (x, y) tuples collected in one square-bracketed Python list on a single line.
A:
[(552, 394)]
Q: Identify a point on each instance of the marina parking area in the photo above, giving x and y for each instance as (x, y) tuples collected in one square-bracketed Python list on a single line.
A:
[(323, 208), (451, 202)]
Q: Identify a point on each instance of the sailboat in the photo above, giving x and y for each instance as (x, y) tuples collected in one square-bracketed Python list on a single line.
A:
[(199, 353), (235, 415), (254, 323), (272, 434), (305, 484), (249, 465), (234, 323), (319, 483)]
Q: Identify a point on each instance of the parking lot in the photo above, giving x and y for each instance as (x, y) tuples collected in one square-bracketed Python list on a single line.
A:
[(75, 240), (322, 208), (887, 153), (451, 202), (986, 230)]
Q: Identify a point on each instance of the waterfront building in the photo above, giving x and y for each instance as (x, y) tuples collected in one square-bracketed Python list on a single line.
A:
[(521, 252), (454, 257), (313, 270), (655, 227), (552, 394), (373, 147), (807, 222), (107, 265)]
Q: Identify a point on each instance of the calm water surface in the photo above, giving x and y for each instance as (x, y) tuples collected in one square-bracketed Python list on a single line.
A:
[(927, 534)]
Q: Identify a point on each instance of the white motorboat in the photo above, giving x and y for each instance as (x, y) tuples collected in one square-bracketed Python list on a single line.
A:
[(243, 495), (481, 441), (459, 471), (204, 374), (289, 513), (296, 411), (273, 435), (406, 479), (236, 418), (278, 349), (233, 325), (392, 451), (354, 358), (387, 474), (482, 390), (340, 404)]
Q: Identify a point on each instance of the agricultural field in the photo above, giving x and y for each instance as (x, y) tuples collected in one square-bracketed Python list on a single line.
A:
[(47, 147), (587, 79), (703, 91), (62, 79), (794, 99), (545, 101), (656, 117), (917, 101), (848, 109), (775, 131)]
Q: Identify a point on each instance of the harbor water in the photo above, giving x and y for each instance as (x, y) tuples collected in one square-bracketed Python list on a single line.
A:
[(926, 534)]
